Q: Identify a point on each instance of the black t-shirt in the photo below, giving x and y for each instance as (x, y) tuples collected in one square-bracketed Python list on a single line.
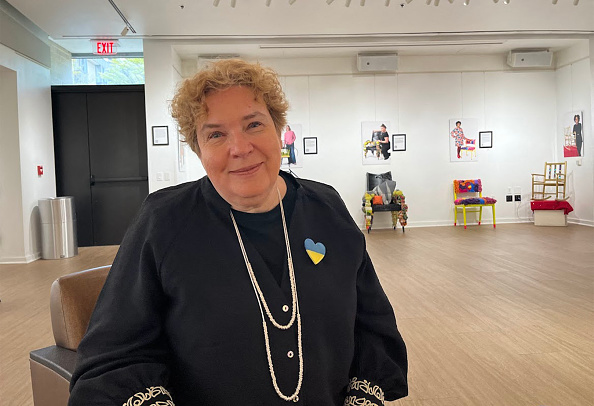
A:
[(265, 232)]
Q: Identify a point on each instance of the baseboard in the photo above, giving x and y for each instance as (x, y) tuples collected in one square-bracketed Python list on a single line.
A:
[(443, 223), (21, 260), (588, 223)]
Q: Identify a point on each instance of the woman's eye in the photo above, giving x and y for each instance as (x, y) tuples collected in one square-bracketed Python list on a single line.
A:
[(254, 124), (215, 135)]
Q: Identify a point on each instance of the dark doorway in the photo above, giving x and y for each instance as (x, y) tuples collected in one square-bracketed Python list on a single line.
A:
[(101, 157)]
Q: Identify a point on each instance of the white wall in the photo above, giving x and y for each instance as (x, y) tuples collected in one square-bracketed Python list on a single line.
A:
[(330, 99), (574, 94), (35, 142), (11, 207)]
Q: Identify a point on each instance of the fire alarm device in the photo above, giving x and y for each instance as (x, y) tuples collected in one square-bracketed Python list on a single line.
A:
[(39, 170)]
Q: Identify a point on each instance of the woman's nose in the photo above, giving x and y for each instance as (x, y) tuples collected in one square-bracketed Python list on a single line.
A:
[(240, 143)]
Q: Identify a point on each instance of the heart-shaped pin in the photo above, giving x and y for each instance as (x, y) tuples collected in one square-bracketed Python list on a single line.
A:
[(315, 250)]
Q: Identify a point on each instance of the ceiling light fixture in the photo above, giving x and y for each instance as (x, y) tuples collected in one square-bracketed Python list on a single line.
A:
[(408, 1), (216, 3), (387, 3), (436, 3), (505, 1), (328, 2), (233, 3), (554, 1), (575, 2), (496, 1), (451, 1), (347, 3), (466, 2), (291, 2), (268, 3), (428, 2), (362, 3)]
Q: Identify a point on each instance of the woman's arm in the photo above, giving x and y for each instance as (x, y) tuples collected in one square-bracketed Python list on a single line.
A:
[(123, 357), (379, 368)]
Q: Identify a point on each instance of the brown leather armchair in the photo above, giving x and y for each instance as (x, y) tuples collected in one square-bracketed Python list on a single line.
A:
[(72, 300)]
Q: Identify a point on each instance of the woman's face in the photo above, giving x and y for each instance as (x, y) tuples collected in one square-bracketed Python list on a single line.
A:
[(576, 119), (240, 149)]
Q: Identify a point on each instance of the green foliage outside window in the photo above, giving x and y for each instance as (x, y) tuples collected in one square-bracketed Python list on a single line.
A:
[(108, 71)]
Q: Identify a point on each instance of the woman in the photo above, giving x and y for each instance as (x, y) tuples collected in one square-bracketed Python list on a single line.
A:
[(385, 142), (289, 141), (247, 287), (577, 133), (458, 134)]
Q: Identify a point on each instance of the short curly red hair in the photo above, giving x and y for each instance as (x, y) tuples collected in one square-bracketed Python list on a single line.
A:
[(189, 106)]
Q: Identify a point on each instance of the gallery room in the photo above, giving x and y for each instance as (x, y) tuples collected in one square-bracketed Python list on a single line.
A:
[(458, 135)]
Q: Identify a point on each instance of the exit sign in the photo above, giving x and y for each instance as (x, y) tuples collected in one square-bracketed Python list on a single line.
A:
[(105, 47)]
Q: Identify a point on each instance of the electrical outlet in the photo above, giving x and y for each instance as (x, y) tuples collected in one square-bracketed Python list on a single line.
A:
[(509, 198), (518, 198)]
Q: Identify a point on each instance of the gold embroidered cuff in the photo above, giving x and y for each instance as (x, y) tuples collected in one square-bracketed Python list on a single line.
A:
[(151, 395), (357, 390)]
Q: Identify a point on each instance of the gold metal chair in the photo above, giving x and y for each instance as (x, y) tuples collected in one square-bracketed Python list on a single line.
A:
[(551, 183)]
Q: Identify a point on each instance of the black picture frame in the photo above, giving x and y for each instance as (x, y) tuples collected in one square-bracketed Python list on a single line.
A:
[(398, 142), (485, 139), (310, 145), (160, 135)]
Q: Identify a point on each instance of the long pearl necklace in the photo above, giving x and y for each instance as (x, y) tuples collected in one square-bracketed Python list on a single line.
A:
[(295, 314)]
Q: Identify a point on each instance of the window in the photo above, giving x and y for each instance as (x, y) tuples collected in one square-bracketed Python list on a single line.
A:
[(108, 71)]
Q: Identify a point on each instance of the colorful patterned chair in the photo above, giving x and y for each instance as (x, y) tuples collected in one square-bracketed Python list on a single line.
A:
[(471, 199), (371, 204)]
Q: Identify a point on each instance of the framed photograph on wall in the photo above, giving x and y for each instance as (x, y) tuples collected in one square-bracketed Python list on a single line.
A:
[(573, 134), (398, 142), (291, 153), (375, 142), (310, 145), (160, 135), (463, 138), (485, 139)]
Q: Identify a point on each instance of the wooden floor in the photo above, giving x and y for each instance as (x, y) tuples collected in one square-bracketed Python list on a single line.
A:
[(499, 317)]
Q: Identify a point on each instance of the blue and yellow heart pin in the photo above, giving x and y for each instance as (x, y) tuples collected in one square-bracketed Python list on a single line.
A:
[(315, 250)]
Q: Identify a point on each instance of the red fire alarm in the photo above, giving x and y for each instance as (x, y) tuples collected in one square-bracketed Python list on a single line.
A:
[(39, 170)]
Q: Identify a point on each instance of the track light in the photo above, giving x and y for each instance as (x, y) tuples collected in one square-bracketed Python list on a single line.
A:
[(328, 2), (124, 31), (362, 3), (233, 3), (505, 1), (555, 1), (436, 2), (451, 1), (216, 3), (387, 3), (575, 2), (291, 2), (495, 1), (466, 2), (408, 1), (347, 3), (268, 3)]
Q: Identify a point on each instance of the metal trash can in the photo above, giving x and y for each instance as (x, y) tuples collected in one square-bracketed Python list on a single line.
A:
[(58, 228)]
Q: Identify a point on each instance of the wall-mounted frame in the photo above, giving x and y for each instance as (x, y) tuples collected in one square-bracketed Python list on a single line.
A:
[(310, 145), (398, 142), (485, 139), (160, 135)]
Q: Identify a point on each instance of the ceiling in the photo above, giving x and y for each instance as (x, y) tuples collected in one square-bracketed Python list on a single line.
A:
[(313, 28)]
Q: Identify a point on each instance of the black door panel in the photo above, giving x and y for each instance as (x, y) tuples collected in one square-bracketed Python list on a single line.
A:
[(101, 157)]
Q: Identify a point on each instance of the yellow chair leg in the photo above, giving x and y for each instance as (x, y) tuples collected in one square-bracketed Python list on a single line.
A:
[(493, 206), (464, 209), (480, 215), (455, 215)]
